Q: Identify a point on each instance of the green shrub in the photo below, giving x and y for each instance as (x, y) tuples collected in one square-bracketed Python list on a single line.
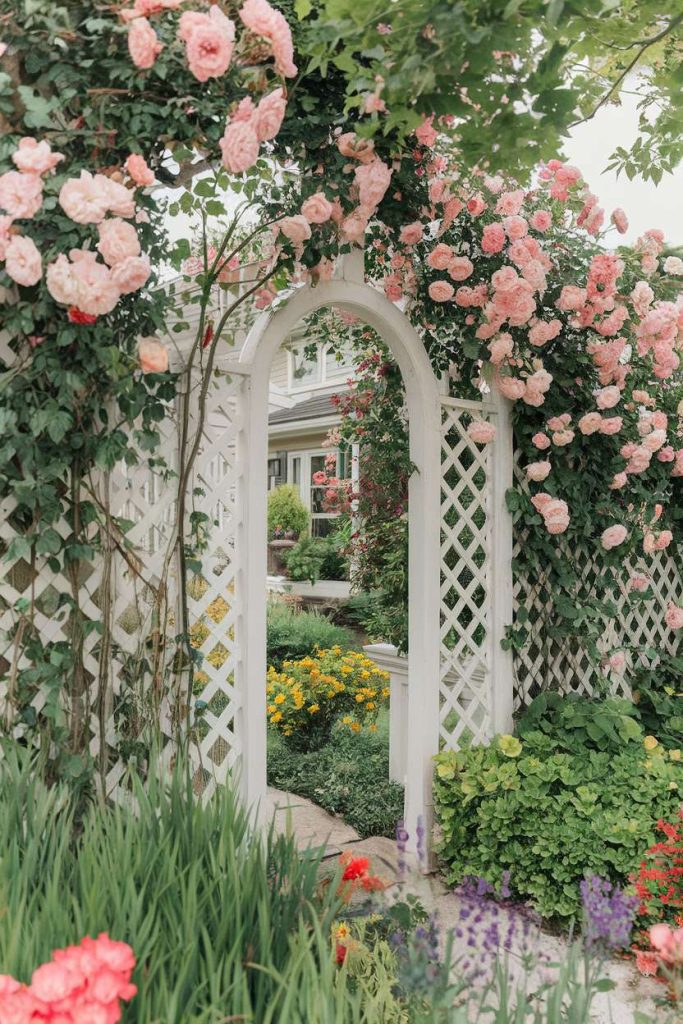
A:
[(349, 777), (317, 558), (293, 634), (287, 511), (551, 816)]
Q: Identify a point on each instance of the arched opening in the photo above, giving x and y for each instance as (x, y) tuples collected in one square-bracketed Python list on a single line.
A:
[(423, 406)]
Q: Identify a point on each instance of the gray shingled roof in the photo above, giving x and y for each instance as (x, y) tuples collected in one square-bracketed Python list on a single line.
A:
[(310, 409)]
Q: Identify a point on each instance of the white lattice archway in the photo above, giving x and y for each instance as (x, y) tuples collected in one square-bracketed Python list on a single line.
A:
[(424, 412)]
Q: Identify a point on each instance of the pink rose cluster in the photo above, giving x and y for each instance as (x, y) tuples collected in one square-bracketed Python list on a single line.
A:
[(481, 431), (249, 126), (80, 280), (554, 511), (82, 984), (21, 197)]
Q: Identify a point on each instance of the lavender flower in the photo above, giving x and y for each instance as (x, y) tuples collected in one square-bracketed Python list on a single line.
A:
[(608, 914)]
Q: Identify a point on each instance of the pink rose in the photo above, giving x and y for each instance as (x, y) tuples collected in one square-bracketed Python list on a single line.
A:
[(5, 225), (511, 388), (86, 199), (620, 220), (613, 536), (440, 256), (440, 291), (373, 180), (33, 157), (537, 471), (153, 356), (120, 200), (501, 348), (611, 425), (96, 290), (504, 279), (239, 146), (571, 298), (618, 481), (590, 423), (296, 229), (556, 516), (264, 20), (350, 145), (515, 228), (316, 209), (209, 40), (481, 431), (563, 437), (607, 398), (616, 662), (476, 206), (61, 281), (639, 461), (493, 238), (353, 227), (138, 169), (143, 45), (23, 262), (118, 241), (510, 203), (541, 220), (411, 234), (638, 582), (425, 133), (21, 195), (541, 441), (130, 274), (460, 268), (269, 115), (674, 620)]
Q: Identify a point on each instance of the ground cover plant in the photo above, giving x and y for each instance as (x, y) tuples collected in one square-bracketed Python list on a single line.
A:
[(349, 777), (550, 815)]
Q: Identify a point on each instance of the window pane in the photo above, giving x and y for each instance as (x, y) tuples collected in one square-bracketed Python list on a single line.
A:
[(338, 364), (321, 527), (306, 368), (317, 465), (318, 499)]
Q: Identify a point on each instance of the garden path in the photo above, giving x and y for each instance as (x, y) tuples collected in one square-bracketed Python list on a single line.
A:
[(314, 828)]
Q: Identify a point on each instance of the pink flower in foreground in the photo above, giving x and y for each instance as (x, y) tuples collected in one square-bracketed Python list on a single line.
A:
[(674, 620), (460, 268), (96, 290), (350, 145), (481, 431), (493, 238), (209, 40), (440, 256), (317, 208), (515, 228), (541, 441), (152, 355), (143, 45), (269, 114), (239, 146), (638, 582), (33, 157), (373, 180), (666, 940), (613, 536), (556, 516), (425, 133), (541, 220), (510, 203), (607, 398), (118, 240), (139, 170), (440, 291), (23, 262), (476, 206), (21, 195), (61, 281)]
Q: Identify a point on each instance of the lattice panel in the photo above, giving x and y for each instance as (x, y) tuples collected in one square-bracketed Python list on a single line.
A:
[(466, 544), (563, 663)]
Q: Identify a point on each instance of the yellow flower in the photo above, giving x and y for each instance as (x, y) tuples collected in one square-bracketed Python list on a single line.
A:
[(355, 727), (346, 720), (342, 932), (510, 746), (360, 697), (371, 705), (372, 728), (280, 698), (365, 674), (346, 671), (675, 755), (271, 709), (313, 708), (650, 743), (277, 717)]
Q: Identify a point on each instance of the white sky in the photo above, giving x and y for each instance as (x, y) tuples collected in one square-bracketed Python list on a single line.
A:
[(589, 147)]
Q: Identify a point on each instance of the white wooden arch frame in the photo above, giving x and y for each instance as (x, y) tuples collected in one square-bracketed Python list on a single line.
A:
[(423, 401)]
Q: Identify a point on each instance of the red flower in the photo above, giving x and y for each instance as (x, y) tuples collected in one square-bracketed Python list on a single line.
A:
[(208, 336), (341, 953), (356, 867), (77, 316)]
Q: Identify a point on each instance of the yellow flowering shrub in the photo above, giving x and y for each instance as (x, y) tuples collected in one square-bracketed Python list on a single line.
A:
[(308, 696)]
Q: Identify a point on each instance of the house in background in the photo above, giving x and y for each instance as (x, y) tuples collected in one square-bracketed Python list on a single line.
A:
[(302, 384)]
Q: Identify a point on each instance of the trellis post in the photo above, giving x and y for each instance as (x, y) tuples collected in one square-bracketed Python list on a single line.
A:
[(501, 596)]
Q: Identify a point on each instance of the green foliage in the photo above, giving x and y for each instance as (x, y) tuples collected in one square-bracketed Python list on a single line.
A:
[(286, 511), (318, 558), (348, 777), (551, 816), (293, 634), (578, 723)]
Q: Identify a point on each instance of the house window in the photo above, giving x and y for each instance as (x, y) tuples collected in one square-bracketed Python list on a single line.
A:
[(320, 367), (302, 467)]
